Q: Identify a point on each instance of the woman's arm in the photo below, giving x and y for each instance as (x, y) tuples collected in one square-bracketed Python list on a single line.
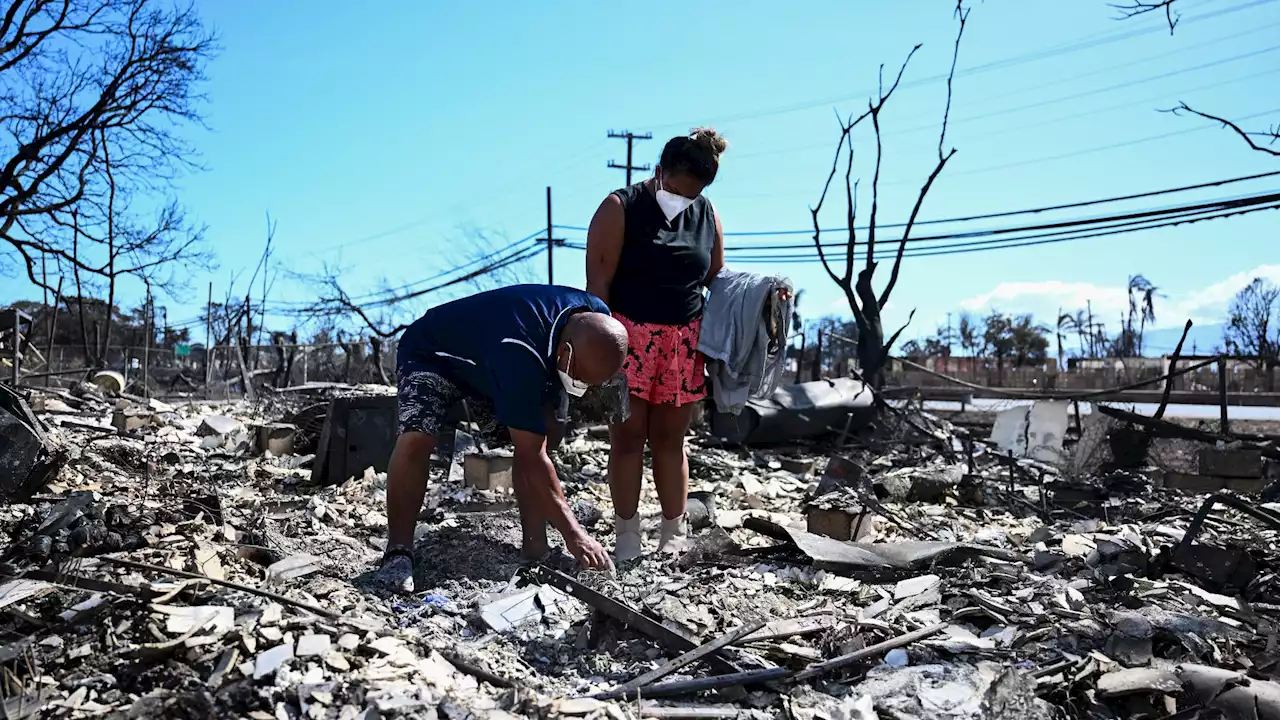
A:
[(717, 251), (604, 246)]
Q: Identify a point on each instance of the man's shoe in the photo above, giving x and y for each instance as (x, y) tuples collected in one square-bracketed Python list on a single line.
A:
[(396, 573), (627, 544)]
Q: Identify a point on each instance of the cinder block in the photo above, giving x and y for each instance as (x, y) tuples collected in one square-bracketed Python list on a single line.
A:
[(1188, 482), (129, 420), (838, 523), (1235, 463), (488, 471)]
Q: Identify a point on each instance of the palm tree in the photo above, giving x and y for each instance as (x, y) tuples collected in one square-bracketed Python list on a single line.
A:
[(1066, 322), (1142, 294)]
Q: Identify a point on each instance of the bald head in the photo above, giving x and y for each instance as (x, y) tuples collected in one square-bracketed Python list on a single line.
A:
[(599, 344)]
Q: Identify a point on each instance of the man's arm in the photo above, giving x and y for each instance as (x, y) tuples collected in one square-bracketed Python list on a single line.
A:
[(604, 246), (545, 493)]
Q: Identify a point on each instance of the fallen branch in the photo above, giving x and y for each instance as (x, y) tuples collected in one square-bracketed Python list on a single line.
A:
[(629, 689), (1173, 362), (314, 609), (867, 653), (1044, 395)]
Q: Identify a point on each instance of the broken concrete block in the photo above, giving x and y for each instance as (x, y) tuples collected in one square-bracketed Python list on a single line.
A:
[(292, 567), (1233, 463), (1188, 482), (271, 660), (218, 425), (130, 420), (313, 646), (276, 438), (839, 523), (488, 471)]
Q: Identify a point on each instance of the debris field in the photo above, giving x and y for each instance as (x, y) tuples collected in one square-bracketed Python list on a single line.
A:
[(178, 561)]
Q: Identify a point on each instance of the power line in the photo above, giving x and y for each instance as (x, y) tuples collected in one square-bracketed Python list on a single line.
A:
[(394, 291), (1067, 48), (1075, 223), (511, 259), (1070, 234), (1163, 97), (1107, 226), (1061, 156), (991, 216)]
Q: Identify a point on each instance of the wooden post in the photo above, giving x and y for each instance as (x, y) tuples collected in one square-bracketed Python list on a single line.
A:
[(53, 327), (817, 358), (17, 344), (1222, 393), (146, 348)]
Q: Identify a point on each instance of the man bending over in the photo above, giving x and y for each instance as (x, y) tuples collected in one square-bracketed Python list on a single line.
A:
[(506, 352)]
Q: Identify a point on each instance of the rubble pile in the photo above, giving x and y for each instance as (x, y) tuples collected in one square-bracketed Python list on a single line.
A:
[(181, 563)]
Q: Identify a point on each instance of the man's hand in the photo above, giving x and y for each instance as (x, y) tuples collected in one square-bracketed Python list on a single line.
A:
[(589, 552)]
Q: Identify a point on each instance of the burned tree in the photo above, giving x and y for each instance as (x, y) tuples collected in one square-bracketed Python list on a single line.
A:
[(1263, 141), (93, 98), (867, 306), (1253, 326)]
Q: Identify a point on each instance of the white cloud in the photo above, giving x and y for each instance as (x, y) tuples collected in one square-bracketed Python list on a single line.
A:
[(1043, 299)]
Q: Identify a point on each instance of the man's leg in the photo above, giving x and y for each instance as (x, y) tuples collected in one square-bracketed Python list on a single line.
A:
[(423, 398), (407, 485)]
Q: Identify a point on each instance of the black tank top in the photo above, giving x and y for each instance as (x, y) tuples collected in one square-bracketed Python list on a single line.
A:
[(663, 264)]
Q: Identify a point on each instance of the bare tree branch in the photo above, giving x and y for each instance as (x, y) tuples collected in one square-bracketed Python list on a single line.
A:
[(93, 96), (1273, 134), (1136, 8), (962, 15), (867, 308)]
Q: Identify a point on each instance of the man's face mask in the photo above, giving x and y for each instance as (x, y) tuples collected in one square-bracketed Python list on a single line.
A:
[(574, 387), (671, 203)]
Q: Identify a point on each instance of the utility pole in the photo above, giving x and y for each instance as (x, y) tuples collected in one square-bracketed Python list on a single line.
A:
[(208, 334), (552, 241), (630, 137), (950, 337), (149, 314)]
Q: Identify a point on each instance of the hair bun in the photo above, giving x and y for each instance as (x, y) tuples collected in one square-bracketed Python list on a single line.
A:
[(710, 138)]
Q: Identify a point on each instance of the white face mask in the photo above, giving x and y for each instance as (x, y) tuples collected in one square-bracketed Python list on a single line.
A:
[(671, 203), (576, 388)]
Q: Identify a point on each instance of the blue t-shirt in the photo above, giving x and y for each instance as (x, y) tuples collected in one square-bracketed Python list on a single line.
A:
[(500, 344)]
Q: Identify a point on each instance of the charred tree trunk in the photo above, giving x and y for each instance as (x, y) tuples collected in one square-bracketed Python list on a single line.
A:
[(377, 344)]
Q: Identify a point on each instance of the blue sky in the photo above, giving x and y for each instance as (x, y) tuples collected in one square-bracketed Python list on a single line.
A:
[(382, 143)]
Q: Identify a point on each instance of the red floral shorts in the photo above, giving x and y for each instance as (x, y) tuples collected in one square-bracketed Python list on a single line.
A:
[(663, 364)]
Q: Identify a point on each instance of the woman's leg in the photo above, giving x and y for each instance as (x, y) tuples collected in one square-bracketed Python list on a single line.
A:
[(668, 425), (626, 459)]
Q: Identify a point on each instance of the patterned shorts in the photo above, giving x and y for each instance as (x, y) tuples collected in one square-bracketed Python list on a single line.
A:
[(663, 364), (426, 398)]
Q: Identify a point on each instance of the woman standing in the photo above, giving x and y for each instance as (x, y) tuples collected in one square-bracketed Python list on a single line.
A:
[(651, 250)]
